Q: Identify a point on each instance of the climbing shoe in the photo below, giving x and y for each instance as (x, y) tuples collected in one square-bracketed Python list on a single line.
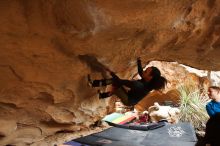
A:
[(103, 95)]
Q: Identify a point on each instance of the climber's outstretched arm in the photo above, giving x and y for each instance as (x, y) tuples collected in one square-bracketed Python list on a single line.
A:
[(139, 66)]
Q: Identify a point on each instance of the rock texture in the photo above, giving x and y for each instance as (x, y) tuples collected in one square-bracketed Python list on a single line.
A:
[(47, 48)]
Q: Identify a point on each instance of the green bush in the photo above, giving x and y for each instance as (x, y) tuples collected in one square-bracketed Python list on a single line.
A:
[(192, 106)]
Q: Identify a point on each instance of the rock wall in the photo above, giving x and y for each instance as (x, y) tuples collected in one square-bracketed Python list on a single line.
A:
[(47, 48)]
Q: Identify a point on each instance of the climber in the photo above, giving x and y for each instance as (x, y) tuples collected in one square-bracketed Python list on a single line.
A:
[(151, 79), (213, 109), (213, 106)]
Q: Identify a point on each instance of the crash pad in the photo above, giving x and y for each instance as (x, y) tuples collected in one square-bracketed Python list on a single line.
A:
[(118, 118), (181, 134)]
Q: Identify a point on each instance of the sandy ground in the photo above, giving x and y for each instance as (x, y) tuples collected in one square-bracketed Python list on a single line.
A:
[(60, 138)]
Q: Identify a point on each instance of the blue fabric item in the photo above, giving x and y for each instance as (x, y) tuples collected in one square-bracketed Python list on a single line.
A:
[(212, 108), (73, 143), (151, 126)]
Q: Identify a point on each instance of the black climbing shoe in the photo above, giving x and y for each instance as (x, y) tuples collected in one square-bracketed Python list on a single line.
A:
[(103, 95)]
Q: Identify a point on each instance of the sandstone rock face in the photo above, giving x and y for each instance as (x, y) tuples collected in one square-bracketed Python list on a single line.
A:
[(47, 48)]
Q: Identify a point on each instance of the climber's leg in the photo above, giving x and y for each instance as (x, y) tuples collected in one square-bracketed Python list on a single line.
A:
[(103, 95), (123, 95), (99, 83)]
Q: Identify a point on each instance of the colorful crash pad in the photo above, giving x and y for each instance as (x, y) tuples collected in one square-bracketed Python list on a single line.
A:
[(118, 118)]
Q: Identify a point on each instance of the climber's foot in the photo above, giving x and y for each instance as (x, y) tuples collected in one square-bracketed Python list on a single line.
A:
[(103, 95)]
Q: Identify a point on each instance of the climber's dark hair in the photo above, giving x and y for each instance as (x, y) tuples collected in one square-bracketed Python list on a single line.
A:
[(158, 81), (155, 72)]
